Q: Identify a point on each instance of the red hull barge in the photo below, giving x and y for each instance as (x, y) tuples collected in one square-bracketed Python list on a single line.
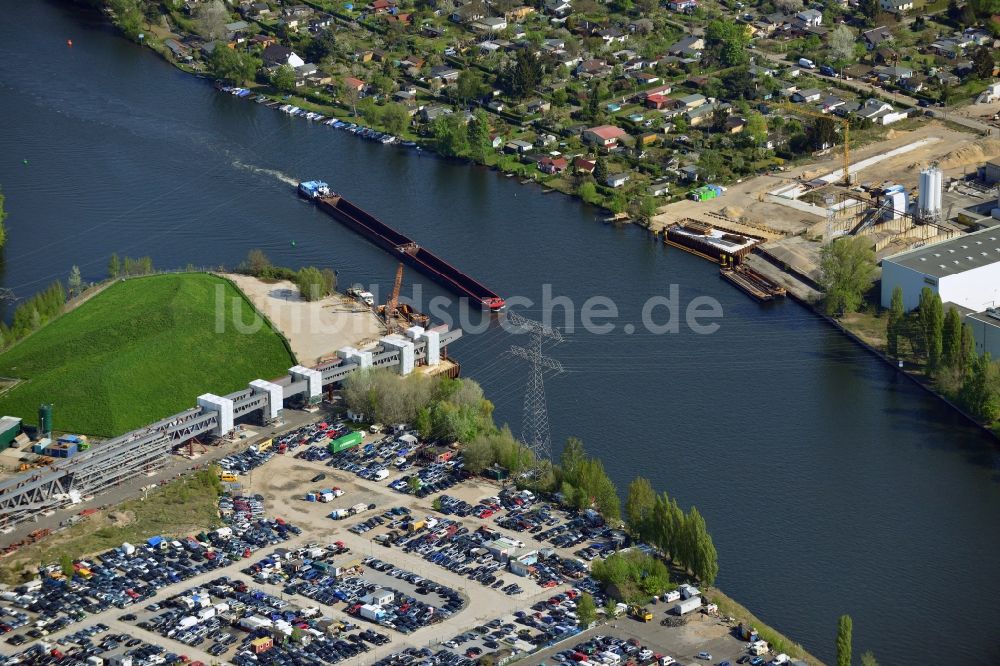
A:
[(407, 250)]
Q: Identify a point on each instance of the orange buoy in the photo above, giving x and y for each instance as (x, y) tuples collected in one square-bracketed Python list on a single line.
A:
[(69, 42)]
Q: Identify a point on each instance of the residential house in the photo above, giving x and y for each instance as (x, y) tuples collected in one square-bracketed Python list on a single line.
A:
[(278, 54), (896, 6), (616, 179), (810, 18), (382, 6), (553, 44), (519, 13), (491, 24), (558, 8), (444, 74), (658, 90), (583, 165), (658, 101), (659, 189), (701, 114), (807, 95), (517, 146), (786, 88), (693, 101), (467, 13), (259, 10), (879, 112), (353, 83), (644, 78), (683, 5), (539, 106), (180, 51), (552, 165), (432, 112), (592, 68), (893, 73), (689, 173), (949, 48), (690, 45), (612, 35), (496, 141), (734, 124), (830, 103), (876, 37), (913, 84), (604, 135), (236, 28)]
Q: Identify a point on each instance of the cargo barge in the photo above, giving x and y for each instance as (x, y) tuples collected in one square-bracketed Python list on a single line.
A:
[(398, 245)]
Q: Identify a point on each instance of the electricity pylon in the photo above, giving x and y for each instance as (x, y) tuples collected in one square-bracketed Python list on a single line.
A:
[(535, 426)]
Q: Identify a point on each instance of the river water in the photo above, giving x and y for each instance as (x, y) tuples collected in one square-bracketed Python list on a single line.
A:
[(829, 484)]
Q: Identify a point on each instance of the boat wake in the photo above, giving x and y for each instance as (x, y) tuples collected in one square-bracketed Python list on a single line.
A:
[(274, 173)]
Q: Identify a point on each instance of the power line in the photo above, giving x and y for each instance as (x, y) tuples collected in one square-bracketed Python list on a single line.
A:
[(535, 427)]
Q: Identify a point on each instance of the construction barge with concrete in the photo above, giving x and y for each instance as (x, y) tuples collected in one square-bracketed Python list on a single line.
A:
[(727, 249), (425, 261)]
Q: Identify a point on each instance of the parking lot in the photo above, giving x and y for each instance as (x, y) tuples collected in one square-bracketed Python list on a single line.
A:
[(412, 567)]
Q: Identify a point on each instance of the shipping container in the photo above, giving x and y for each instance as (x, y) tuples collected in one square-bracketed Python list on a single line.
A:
[(348, 441)]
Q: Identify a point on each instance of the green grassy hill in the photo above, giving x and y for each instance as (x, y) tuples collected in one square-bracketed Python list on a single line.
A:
[(139, 351)]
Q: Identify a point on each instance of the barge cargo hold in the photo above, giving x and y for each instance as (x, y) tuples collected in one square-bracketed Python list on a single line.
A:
[(399, 245)]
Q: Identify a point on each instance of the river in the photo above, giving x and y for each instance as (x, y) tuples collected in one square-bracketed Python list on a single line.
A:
[(829, 484)]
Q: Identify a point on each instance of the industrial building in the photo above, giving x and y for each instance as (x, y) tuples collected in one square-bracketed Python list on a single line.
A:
[(986, 330), (10, 427), (964, 270)]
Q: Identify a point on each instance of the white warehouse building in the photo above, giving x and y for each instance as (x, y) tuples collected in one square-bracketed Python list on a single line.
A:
[(963, 270)]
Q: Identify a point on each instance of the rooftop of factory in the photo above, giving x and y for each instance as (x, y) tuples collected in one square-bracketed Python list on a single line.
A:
[(954, 256)]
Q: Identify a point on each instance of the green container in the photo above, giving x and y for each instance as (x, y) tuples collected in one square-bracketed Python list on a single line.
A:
[(348, 441), (45, 419)]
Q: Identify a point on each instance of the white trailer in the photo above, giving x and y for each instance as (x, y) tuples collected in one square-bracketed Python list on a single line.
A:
[(687, 605)]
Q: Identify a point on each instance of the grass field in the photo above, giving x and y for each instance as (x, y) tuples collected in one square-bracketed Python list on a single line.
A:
[(139, 351), (181, 508)]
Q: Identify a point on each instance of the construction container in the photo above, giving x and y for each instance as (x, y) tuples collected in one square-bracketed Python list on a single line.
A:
[(10, 427), (45, 420), (61, 450), (310, 497), (348, 441)]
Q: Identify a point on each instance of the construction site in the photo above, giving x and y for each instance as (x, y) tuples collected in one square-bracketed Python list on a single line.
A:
[(917, 187)]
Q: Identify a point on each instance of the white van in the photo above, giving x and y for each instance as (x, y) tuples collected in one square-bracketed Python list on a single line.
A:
[(381, 475)]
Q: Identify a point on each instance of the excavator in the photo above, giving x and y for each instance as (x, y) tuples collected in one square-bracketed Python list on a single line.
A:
[(393, 312)]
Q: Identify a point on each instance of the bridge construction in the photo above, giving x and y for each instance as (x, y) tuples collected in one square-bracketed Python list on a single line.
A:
[(41, 490)]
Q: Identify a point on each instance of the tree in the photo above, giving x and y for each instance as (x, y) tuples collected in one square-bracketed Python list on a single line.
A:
[(710, 164), (844, 628), (896, 316), (479, 135), (726, 42), (951, 340), (868, 659), (257, 262), (869, 9), (127, 16), (931, 317), (983, 63), (980, 393), (322, 46), (822, 133), (788, 6), (841, 43), (114, 266), (478, 454), (601, 170), (311, 283), (639, 506), (586, 610), (451, 135), (283, 79), (66, 565), (522, 76), (75, 282), (469, 85), (847, 268), (211, 20), (756, 128), (967, 351), (396, 118), (413, 483)]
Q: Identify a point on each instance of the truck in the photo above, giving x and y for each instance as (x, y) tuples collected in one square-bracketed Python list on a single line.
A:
[(348, 441), (640, 613), (807, 63), (339, 514), (360, 507), (369, 612)]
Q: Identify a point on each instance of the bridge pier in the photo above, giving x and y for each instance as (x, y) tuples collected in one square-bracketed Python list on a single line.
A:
[(275, 398), (313, 379), (405, 349), (223, 407), (432, 349)]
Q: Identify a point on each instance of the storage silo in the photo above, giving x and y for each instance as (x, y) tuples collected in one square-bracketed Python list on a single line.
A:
[(929, 197), (45, 420)]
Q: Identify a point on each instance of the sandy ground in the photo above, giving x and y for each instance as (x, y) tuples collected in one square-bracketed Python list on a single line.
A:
[(745, 198), (317, 329)]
